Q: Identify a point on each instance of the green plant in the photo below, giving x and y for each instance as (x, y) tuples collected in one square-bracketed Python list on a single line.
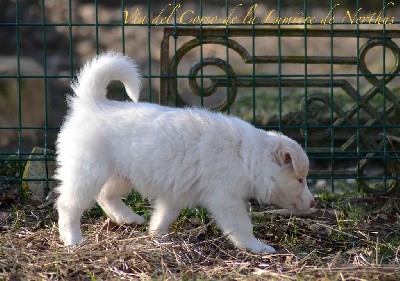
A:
[(92, 278), (138, 204)]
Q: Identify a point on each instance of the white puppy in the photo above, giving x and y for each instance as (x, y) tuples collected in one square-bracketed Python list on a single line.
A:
[(179, 157)]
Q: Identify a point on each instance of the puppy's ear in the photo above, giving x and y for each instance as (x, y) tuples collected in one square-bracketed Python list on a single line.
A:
[(282, 156), (287, 159), (291, 154)]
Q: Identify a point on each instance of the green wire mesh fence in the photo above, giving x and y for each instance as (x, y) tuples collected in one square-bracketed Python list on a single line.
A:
[(326, 74)]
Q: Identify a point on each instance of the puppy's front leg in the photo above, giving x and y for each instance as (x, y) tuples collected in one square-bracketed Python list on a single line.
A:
[(163, 216), (231, 215)]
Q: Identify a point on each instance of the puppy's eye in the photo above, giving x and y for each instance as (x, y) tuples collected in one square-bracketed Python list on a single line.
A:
[(300, 181)]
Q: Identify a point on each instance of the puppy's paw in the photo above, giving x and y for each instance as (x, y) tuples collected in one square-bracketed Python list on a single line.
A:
[(158, 232), (268, 249), (127, 218), (259, 247), (70, 238), (70, 232)]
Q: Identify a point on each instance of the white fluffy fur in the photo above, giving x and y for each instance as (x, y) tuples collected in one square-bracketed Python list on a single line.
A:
[(178, 157)]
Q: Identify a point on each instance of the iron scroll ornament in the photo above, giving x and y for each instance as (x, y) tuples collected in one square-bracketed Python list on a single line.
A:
[(390, 183), (210, 90), (392, 164), (221, 64)]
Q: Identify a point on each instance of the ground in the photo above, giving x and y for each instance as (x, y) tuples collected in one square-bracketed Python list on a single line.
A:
[(350, 238)]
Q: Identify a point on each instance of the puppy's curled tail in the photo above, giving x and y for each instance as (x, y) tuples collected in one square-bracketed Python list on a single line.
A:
[(92, 80)]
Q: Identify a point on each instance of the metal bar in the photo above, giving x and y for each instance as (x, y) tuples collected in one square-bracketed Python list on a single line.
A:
[(282, 32)]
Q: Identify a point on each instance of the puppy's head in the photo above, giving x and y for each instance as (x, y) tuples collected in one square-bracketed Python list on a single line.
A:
[(287, 184)]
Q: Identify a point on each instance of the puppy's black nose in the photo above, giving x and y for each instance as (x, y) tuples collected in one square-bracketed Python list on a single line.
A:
[(312, 203)]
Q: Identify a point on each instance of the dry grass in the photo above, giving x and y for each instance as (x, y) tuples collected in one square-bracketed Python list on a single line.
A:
[(350, 246)]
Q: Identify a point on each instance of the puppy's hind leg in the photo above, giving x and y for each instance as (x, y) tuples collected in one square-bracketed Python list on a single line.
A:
[(110, 201), (72, 201), (69, 216)]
